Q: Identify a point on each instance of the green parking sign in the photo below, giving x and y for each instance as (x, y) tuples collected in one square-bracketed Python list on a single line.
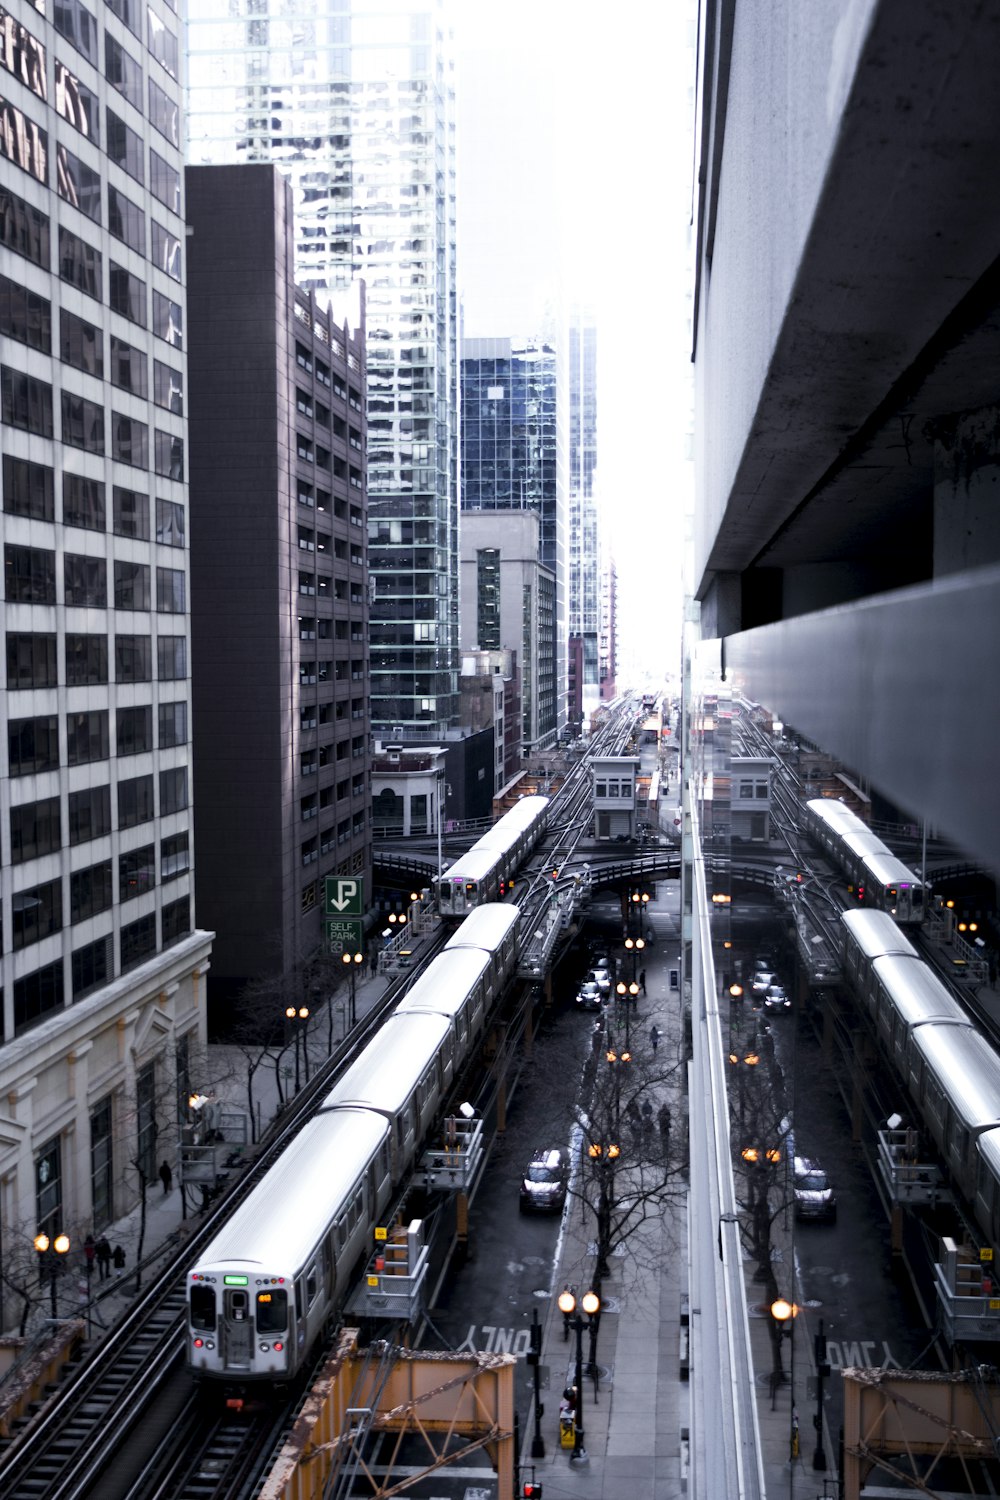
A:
[(341, 936), (345, 896)]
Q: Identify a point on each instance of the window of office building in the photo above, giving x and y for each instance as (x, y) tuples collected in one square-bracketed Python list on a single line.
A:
[(132, 589), (165, 185), (173, 791), (168, 387), (35, 829), (129, 441), (127, 294), (170, 591), (23, 142), (124, 146), (126, 220), (80, 264), (78, 183), (90, 891), (135, 801), (29, 575), (168, 320), (25, 315), (168, 455), (87, 737), (75, 22), (82, 423), (134, 730), (162, 42), (130, 12), (23, 229), (128, 367), (171, 658), (22, 54), (163, 113), (138, 942), (36, 913), (81, 344), (76, 103), (133, 658), (33, 745), (136, 872), (85, 580), (32, 661), (25, 402), (172, 721), (28, 489), (131, 513), (122, 71), (170, 523), (86, 660), (175, 858), (176, 920), (35, 997), (102, 1173), (89, 814), (91, 966), (83, 502)]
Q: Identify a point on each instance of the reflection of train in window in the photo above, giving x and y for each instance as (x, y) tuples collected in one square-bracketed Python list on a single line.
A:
[(484, 873), (879, 878)]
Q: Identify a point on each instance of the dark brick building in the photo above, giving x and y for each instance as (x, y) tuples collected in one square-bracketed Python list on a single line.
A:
[(282, 762)]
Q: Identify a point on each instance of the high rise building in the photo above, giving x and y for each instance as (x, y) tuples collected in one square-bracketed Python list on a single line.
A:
[(356, 106), (101, 965), (279, 586), (513, 459), (584, 529)]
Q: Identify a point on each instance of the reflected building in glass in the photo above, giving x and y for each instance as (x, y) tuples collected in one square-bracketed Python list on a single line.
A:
[(356, 105)]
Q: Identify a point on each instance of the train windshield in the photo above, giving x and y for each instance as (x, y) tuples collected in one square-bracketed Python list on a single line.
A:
[(272, 1311), (203, 1307)]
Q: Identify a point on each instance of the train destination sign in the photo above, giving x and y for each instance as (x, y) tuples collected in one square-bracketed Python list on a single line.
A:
[(345, 896)]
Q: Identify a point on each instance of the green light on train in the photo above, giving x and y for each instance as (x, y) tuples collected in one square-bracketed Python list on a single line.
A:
[(235, 1280)]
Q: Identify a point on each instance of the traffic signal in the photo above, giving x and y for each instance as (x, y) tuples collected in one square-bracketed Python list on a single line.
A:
[(532, 1491), (535, 1347)]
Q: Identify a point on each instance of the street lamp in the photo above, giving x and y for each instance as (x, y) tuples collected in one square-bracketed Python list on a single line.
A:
[(49, 1252), (783, 1312), (352, 960), (627, 993), (591, 1304), (293, 1014), (635, 947)]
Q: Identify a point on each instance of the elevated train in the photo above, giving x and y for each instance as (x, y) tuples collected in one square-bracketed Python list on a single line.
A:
[(948, 1067), (484, 872), (879, 878), (270, 1281)]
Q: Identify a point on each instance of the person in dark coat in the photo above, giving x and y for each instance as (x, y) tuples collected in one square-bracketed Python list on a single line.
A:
[(89, 1254), (102, 1250), (118, 1258), (166, 1177), (642, 980)]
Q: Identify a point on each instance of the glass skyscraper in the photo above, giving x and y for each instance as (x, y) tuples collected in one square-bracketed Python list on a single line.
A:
[(584, 568), (356, 103)]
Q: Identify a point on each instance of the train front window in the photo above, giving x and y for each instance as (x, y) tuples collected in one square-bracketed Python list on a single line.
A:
[(272, 1311), (203, 1307)]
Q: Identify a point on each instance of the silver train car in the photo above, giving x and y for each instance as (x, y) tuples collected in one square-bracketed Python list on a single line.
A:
[(879, 878), (485, 871), (949, 1069), (267, 1285)]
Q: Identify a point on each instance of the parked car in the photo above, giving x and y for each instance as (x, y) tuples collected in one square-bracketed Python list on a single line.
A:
[(814, 1197), (777, 1001), (589, 996), (543, 1187), (762, 981)]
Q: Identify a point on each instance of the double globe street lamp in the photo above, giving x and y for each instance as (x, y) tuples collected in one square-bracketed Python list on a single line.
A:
[(352, 960), (590, 1302), (50, 1253)]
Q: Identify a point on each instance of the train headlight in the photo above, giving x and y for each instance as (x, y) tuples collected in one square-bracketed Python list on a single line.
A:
[(265, 1348)]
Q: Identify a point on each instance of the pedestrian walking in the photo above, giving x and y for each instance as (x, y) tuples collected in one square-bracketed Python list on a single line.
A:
[(89, 1255), (654, 1037), (166, 1177), (102, 1250), (642, 980), (373, 962), (664, 1121), (118, 1259)]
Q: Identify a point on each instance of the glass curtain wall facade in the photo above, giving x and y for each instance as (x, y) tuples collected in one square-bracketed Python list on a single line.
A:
[(356, 105), (584, 571), (513, 459)]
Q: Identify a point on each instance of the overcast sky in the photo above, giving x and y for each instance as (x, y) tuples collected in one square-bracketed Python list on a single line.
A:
[(575, 181)]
